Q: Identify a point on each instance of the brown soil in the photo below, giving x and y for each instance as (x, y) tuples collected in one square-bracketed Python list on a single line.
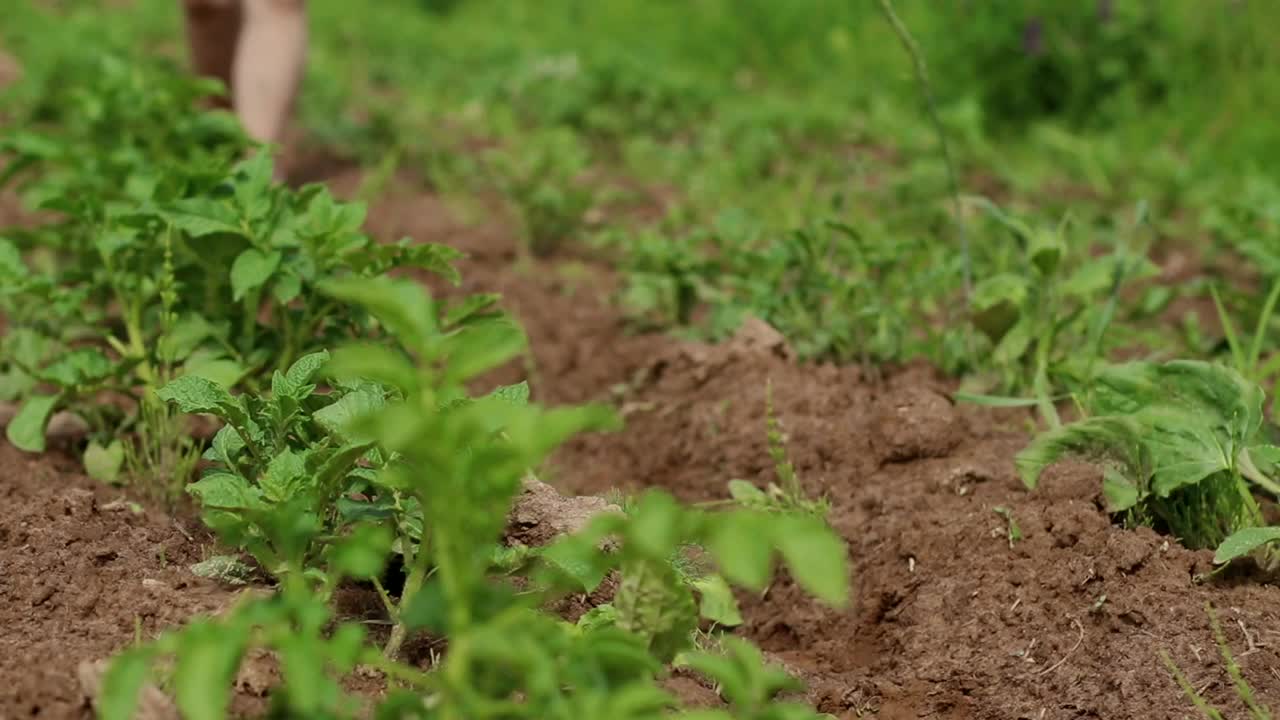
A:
[(949, 619)]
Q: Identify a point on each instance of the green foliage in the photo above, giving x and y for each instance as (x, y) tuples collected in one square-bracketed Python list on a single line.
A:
[(544, 179), (437, 472), (1047, 321), (1177, 442)]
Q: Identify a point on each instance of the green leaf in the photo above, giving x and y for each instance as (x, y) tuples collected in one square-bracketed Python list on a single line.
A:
[(104, 463), (225, 491), (251, 270), (122, 683), (78, 367), (1119, 492), (517, 394), (27, 429), (295, 383), (345, 419), (284, 477), (402, 306), (200, 216), (816, 556), (223, 568), (223, 372), (1243, 542), (741, 543), (208, 658), (747, 493), (197, 395), (475, 349), (577, 559), (363, 553), (378, 363), (716, 601), (226, 447)]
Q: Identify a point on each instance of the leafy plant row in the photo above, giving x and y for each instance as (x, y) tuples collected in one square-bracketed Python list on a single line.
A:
[(177, 279)]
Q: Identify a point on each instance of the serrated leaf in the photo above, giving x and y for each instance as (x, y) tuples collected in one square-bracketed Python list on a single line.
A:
[(300, 373), (223, 568), (284, 476), (251, 270), (1243, 542), (197, 395), (104, 463), (27, 428), (225, 491), (816, 557)]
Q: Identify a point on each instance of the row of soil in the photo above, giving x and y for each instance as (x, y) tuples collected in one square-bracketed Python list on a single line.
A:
[(951, 619)]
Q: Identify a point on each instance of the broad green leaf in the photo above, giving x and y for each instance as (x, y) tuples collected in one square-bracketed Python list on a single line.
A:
[(1119, 492), (1118, 439), (251, 270), (208, 657), (284, 476), (104, 463), (1243, 542), (716, 601), (346, 418), (225, 491), (197, 395), (379, 363), (439, 259), (816, 557), (363, 553), (402, 306), (656, 526), (741, 543), (226, 447), (578, 559), (122, 683), (475, 349), (223, 372), (304, 369), (27, 428), (202, 216)]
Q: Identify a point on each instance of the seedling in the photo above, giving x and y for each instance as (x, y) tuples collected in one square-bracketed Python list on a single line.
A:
[(1257, 711), (1013, 532)]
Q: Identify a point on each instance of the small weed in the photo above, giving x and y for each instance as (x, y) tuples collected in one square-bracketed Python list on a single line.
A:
[(1257, 711)]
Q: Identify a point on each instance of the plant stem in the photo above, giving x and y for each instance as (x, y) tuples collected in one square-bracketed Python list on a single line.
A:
[(922, 76)]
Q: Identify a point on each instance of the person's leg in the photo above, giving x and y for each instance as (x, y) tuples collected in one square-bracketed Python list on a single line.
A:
[(213, 27), (269, 63)]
